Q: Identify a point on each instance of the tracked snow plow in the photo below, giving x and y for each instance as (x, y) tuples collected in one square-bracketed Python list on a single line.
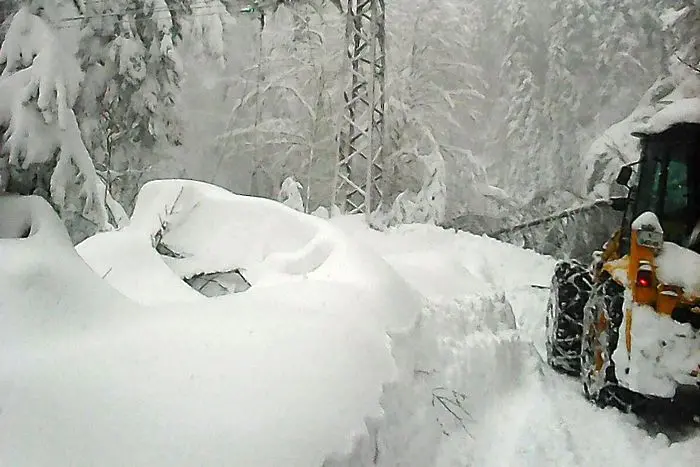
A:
[(629, 323)]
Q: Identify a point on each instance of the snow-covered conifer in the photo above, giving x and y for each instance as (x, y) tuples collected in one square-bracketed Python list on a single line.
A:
[(128, 104), (40, 82)]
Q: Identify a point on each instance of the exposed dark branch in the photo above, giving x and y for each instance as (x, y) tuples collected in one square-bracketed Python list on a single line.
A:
[(165, 250), (688, 64), (78, 7)]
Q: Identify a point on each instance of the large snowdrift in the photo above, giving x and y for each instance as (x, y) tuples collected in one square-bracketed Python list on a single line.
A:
[(466, 352), (287, 373), (213, 230)]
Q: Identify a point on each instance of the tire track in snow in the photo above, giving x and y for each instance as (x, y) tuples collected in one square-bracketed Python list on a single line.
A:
[(558, 410), (520, 431), (547, 422)]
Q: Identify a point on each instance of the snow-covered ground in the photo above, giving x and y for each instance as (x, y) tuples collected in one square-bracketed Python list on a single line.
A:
[(416, 346), (521, 413)]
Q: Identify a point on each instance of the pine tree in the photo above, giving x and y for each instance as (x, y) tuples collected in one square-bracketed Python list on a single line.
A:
[(39, 84), (685, 32), (516, 72), (516, 137), (630, 53), (652, 37), (569, 81), (128, 107)]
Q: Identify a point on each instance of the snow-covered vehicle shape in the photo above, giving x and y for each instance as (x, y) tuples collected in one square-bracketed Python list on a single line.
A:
[(629, 324)]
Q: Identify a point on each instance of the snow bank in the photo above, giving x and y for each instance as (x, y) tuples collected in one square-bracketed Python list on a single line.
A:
[(516, 410), (454, 366), (43, 284), (464, 354), (286, 373), (444, 258)]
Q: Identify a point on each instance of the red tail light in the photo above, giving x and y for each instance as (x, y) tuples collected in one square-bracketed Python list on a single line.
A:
[(644, 278)]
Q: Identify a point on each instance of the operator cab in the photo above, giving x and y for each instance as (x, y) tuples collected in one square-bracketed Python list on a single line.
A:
[(669, 182)]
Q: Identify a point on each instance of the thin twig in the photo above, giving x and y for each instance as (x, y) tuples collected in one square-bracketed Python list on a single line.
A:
[(453, 405)]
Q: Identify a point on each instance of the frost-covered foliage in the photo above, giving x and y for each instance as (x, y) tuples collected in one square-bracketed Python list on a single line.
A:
[(276, 108), (434, 89), (518, 93), (283, 100), (512, 92), (616, 146)]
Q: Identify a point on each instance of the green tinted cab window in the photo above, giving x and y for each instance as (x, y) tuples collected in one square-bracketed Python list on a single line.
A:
[(676, 201)]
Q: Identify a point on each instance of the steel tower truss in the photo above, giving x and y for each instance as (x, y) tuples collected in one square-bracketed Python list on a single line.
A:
[(362, 134)]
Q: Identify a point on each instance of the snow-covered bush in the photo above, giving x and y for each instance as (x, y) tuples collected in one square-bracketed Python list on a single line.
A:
[(428, 205), (290, 194)]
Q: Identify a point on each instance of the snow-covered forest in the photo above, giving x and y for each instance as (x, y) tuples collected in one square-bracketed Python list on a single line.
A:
[(514, 98)]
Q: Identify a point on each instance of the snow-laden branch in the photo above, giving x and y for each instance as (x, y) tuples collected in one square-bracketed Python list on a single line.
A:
[(39, 84)]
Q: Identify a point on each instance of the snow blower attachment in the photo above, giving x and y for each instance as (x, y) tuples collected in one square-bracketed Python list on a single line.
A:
[(629, 324)]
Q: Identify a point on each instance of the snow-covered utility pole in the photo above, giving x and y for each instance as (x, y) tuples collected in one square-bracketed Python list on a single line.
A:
[(362, 133)]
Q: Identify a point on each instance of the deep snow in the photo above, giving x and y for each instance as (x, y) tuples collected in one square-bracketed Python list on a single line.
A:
[(299, 367), (522, 413), (286, 373)]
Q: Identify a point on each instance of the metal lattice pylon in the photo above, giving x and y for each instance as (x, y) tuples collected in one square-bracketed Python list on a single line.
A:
[(362, 135)]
